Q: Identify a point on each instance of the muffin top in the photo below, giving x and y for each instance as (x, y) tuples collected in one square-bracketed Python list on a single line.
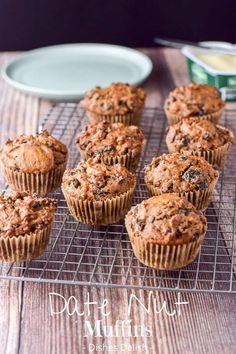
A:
[(96, 181), (33, 154), (197, 134), (194, 100), (118, 98), (111, 139), (177, 173), (23, 214), (166, 219)]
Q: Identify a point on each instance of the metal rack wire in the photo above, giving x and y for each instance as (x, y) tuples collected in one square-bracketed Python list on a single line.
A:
[(102, 255)]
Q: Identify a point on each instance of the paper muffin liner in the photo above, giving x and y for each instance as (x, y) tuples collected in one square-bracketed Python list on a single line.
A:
[(107, 211), (199, 198), (25, 247), (131, 163), (213, 117), (127, 119), (39, 183), (215, 157), (164, 257)]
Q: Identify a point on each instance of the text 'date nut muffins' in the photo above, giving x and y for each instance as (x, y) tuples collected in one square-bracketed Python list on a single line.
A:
[(97, 193), (195, 101), (114, 143), (118, 102), (166, 231), (25, 226), (34, 164), (185, 175), (202, 138)]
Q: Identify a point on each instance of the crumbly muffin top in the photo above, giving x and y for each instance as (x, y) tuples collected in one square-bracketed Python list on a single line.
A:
[(197, 134), (24, 214), (177, 173), (194, 100), (166, 219), (93, 180), (118, 98), (111, 139), (34, 154)]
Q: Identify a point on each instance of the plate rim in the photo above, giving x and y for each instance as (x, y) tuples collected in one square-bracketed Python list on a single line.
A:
[(67, 94)]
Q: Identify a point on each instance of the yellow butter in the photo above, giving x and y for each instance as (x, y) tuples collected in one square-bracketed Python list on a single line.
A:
[(221, 62)]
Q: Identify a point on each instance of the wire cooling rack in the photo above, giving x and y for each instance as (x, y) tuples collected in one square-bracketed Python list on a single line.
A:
[(102, 255)]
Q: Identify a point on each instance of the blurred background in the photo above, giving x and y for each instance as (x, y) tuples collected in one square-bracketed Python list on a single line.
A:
[(26, 24)]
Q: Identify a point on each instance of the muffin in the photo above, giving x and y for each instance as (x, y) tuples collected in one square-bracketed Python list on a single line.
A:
[(118, 102), (97, 193), (202, 138), (195, 101), (185, 175), (113, 142), (25, 226), (34, 164), (166, 231)]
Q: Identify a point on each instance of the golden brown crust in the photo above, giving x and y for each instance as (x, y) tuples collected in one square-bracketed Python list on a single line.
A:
[(94, 180), (194, 100), (178, 173), (23, 214), (195, 134), (118, 98), (34, 154), (106, 139), (166, 219)]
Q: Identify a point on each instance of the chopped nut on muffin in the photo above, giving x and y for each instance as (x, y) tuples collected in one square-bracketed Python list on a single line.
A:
[(166, 231), (118, 102), (25, 225), (200, 137), (194, 100), (34, 164), (114, 143), (98, 193), (183, 174)]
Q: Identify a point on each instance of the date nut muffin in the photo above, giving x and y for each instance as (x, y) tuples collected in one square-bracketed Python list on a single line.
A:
[(97, 193), (185, 175), (195, 101), (34, 164), (201, 138), (113, 142), (166, 231), (118, 102), (25, 226)]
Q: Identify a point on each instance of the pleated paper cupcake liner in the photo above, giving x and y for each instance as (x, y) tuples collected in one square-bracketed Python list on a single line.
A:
[(164, 257), (127, 119), (215, 157), (200, 198), (39, 183), (107, 211), (212, 117), (25, 247), (131, 163)]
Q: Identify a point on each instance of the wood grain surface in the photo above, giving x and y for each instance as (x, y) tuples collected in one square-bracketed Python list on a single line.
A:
[(206, 325)]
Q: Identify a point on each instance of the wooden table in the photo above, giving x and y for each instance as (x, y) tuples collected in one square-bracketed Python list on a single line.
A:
[(206, 325)]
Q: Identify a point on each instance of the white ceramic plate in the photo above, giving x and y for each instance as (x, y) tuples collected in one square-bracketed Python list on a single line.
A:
[(66, 72)]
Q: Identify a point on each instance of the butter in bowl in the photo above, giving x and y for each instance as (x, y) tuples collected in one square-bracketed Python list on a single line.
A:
[(214, 68)]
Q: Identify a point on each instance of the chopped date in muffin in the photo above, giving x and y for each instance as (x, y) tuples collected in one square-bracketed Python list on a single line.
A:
[(201, 135), (94, 180), (179, 173), (118, 98), (21, 214), (111, 139), (166, 219), (194, 100)]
